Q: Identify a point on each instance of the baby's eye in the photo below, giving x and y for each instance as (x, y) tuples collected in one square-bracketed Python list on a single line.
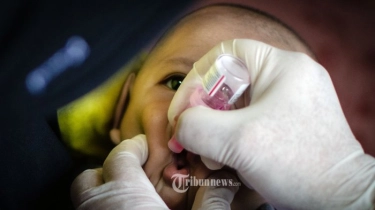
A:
[(174, 81)]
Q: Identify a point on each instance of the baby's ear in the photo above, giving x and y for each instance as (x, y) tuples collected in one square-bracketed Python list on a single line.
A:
[(114, 133)]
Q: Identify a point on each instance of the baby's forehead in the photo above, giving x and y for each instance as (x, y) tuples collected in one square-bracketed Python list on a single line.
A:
[(247, 23), (223, 23), (201, 27)]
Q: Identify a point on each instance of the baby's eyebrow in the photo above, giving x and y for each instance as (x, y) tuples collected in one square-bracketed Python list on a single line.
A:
[(181, 61)]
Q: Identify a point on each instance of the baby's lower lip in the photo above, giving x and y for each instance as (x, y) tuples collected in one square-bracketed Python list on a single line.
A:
[(172, 169)]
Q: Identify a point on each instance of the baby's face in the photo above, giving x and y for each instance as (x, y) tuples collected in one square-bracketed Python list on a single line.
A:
[(150, 97)]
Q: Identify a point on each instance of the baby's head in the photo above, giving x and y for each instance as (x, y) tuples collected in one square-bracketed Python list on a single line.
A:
[(152, 89)]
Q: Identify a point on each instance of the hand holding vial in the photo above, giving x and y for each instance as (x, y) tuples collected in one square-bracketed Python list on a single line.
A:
[(292, 143), (222, 85)]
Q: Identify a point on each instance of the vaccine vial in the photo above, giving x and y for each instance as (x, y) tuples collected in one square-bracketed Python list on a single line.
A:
[(222, 85)]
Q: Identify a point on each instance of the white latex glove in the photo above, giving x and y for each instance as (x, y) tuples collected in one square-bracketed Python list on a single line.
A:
[(215, 197), (122, 183), (292, 143)]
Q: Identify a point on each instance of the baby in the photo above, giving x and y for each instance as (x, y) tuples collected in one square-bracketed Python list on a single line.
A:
[(147, 93)]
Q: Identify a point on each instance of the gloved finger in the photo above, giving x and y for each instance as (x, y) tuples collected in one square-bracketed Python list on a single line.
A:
[(211, 164), (181, 100), (219, 196), (212, 135), (125, 161), (86, 180), (124, 184)]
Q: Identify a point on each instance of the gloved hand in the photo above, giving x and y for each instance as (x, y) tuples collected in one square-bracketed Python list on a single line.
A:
[(122, 183), (291, 143)]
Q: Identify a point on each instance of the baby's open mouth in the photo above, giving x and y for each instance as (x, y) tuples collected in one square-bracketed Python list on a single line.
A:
[(180, 166), (180, 172), (181, 160)]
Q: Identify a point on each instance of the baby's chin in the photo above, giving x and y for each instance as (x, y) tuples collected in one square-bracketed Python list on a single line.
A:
[(177, 196), (173, 199), (169, 178)]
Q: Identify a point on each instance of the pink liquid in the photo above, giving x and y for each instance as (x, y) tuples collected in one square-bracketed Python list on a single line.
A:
[(219, 101)]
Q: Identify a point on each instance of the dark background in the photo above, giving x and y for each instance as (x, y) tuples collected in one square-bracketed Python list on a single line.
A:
[(36, 170)]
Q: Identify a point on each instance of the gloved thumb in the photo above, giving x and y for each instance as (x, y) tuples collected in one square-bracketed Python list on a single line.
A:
[(219, 196), (131, 153), (211, 135)]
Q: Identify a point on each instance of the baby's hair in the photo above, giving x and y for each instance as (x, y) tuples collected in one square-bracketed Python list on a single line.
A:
[(252, 18), (272, 19)]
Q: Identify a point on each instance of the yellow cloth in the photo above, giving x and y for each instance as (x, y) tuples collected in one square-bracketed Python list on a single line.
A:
[(85, 123)]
